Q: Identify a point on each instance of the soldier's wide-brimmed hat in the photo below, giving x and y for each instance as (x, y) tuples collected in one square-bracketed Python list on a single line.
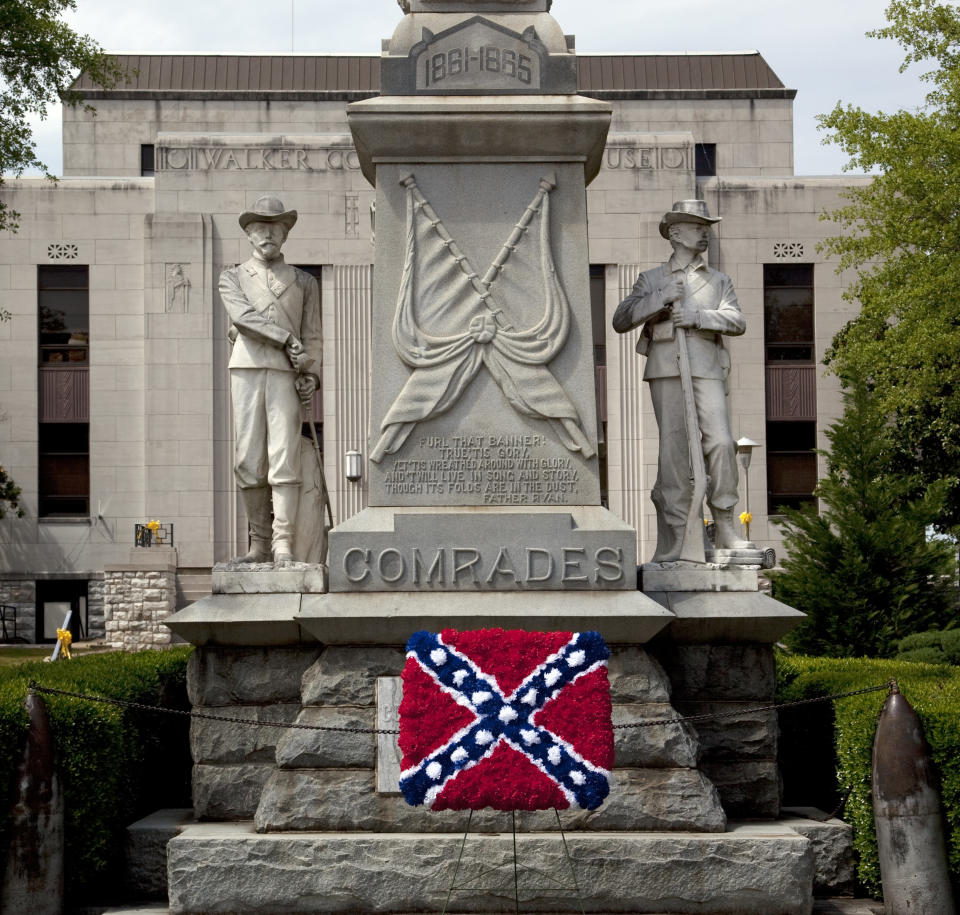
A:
[(687, 211), (268, 209)]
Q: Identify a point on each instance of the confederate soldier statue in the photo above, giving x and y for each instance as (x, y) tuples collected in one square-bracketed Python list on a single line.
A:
[(274, 310), (686, 309)]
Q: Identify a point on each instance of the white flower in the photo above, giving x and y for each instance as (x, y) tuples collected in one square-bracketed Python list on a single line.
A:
[(459, 677), (553, 754), (507, 714), (434, 770), (483, 738), (478, 698), (438, 656), (576, 658), (530, 698), (530, 737), (458, 755), (552, 676), (577, 777)]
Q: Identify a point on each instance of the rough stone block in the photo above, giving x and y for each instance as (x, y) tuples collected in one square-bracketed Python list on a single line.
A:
[(635, 676), (344, 799), (226, 675), (223, 742), (146, 851), (347, 675), (669, 745), (832, 843), (748, 788), (229, 792), (722, 672), (220, 868), (747, 734), (301, 578), (322, 749)]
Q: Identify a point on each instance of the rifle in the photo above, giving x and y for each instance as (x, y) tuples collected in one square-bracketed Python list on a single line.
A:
[(692, 548)]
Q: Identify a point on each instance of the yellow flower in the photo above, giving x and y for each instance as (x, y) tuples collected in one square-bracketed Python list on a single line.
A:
[(64, 637), (153, 526), (745, 517)]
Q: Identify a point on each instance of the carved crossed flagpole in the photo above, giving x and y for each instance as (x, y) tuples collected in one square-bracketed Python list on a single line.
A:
[(443, 366)]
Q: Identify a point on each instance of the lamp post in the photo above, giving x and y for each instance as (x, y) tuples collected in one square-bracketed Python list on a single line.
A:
[(353, 466), (745, 448)]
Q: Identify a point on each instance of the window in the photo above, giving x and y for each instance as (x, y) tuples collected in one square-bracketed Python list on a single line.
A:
[(64, 467), (63, 334), (791, 464), (598, 312), (788, 328), (147, 159), (705, 157), (63, 314), (788, 313)]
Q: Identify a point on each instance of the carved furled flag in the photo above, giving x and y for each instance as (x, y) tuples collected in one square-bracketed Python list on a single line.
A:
[(506, 719)]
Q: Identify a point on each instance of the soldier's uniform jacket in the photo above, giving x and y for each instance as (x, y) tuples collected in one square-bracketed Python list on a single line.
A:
[(718, 313), (266, 303)]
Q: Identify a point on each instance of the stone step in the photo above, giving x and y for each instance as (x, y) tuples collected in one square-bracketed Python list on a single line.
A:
[(752, 869)]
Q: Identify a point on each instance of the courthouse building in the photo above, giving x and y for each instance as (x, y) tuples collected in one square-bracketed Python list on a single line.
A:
[(113, 377)]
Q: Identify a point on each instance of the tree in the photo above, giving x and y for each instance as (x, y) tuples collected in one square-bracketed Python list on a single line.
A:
[(39, 57), (901, 233), (862, 567)]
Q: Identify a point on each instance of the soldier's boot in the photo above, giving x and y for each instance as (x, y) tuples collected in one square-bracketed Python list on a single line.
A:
[(726, 536), (256, 502), (286, 500)]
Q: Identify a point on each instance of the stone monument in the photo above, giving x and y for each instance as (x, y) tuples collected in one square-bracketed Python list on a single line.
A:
[(484, 511)]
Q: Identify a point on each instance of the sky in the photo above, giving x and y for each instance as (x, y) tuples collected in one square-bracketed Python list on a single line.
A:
[(817, 47)]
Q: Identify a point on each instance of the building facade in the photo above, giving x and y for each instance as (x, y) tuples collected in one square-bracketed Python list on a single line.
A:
[(113, 378)]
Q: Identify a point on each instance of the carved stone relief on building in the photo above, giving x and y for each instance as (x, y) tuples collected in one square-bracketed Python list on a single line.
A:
[(178, 288), (63, 251)]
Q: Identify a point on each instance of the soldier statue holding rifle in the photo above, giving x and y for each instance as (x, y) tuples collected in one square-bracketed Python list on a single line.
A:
[(686, 309)]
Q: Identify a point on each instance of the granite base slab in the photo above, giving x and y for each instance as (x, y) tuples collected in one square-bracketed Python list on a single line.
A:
[(726, 616), (752, 869), (267, 578), (390, 617)]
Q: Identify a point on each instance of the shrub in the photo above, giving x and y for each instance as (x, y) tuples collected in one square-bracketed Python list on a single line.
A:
[(936, 646), (933, 690), (115, 764)]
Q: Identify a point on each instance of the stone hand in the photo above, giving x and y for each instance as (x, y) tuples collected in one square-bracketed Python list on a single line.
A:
[(294, 350), (684, 316), (672, 292), (306, 386)]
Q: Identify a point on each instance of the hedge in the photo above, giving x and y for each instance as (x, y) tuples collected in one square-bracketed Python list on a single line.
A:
[(116, 765), (932, 689)]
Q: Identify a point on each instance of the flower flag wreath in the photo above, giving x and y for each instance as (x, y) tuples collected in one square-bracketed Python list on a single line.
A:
[(511, 720)]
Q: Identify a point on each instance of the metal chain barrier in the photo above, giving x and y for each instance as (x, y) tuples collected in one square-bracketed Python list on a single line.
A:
[(139, 706)]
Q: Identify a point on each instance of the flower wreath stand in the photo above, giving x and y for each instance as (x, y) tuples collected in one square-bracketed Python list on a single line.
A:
[(507, 720)]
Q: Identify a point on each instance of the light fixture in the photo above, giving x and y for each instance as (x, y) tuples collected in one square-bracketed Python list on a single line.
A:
[(353, 466), (745, 448)]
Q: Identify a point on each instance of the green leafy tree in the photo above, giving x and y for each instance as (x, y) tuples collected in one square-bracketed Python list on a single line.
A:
[(901, 234), (862, 567), (39, 57)]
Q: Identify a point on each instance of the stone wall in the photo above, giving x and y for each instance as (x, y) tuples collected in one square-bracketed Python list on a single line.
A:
[(21, 594), (739, 750), (95, 609), (135, 604)]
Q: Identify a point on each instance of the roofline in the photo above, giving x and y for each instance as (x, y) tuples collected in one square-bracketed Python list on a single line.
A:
[(314, 95)]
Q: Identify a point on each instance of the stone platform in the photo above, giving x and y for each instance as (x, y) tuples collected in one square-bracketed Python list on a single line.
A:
[(752, 869)]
